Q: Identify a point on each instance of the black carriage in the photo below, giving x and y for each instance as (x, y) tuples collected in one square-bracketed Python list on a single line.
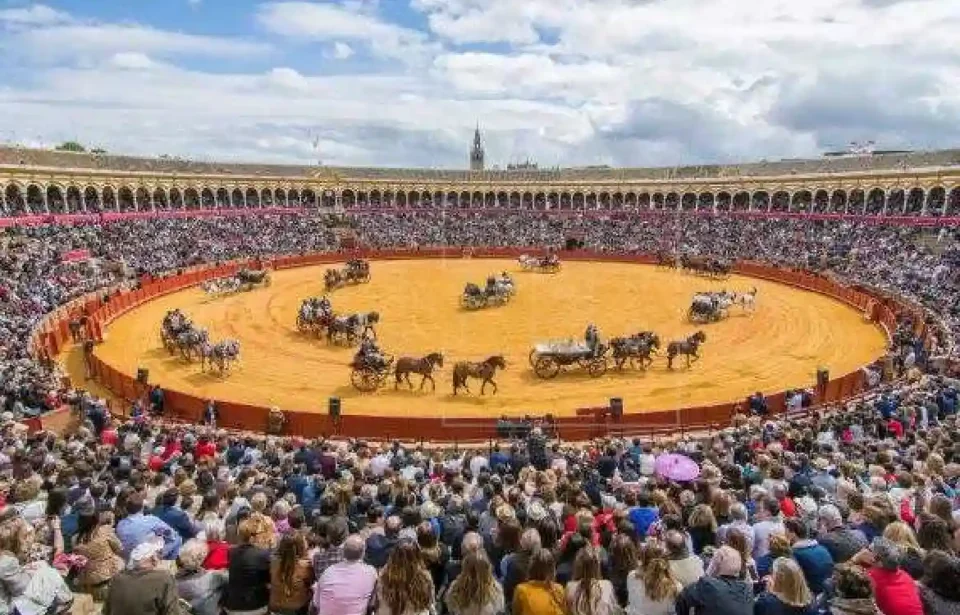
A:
[(367, 377), (474, 297), (707, 308), (549, 359), (248, 278), (708, 266), (356, 271)]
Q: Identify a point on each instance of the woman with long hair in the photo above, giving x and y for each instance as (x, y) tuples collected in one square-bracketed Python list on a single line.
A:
[(589, 593), (737, 540), (788, 593), (652, 589), (405, 587), (475, 591), (434, 553), (291, 575), (702, 528), (624, 557), (900, 534), (540, 594), (99, 544)]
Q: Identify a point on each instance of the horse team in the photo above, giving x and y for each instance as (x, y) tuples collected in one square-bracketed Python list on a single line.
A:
[(179, 334)]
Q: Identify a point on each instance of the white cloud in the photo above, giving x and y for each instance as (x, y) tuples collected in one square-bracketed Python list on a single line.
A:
[(352, 22), (132, 60), (34, 15), (341, 51)]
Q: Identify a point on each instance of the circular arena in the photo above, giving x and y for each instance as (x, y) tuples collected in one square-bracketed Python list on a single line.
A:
[(778, 345)]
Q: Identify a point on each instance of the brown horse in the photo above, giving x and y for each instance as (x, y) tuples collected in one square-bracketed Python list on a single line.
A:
[(687, 347), (414, 365), (484, 370)]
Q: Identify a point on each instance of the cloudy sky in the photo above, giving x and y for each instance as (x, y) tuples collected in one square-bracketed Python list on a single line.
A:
[(403, 82)]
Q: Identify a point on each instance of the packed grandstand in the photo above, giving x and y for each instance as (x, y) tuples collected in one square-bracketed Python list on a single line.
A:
[(846, 508)]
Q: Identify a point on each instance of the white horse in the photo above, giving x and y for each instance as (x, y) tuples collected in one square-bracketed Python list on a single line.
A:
[(748, 301)]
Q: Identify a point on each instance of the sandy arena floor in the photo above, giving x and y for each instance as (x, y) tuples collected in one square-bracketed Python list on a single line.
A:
[(780, 346)]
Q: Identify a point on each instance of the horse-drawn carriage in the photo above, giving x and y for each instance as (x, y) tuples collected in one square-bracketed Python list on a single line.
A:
[(370, 372), (545, 264), (219, 356), (356, 271), (709, 266), (498, 291), (548, 359), (709, 307), (638, 348), (248, 278), (350, 329), (315, 315)]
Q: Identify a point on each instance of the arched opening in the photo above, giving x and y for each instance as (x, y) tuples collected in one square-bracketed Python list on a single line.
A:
[(591, 201), (616, 201), (293, 198), (838, 202), (74, 202), (553, 201), (328, 199), (672, 202), (896, 202), (516, 200), (363, 200), (741, 201), (401, 200), (452, 200), (191, 199), (579, 202), (207, 200), (936, 199), (308, 198), (688, 202), (604, 200), (643, 201), (426, 199), (142, 199), (266, 197), (239, 201), (413, 199), (503, 200), (125, 199), (630, 201), (527, 200), (915, 200), (55, 201), (855, 202), (705, 201), (223, 198), (658, 201), (15, 203), (876, 202), (348, 200), (490, 200), (253, 198), (376, 200), (176, 199), (109, 199), (540, 201), (566, 201), (760, 201), (802, 201), (780, 201), (476, 200), (953, 202), (280, 197), (821, 202), (723, 201), (465, 200)]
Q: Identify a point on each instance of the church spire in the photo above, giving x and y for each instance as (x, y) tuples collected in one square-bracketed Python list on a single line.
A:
[(476, 152)]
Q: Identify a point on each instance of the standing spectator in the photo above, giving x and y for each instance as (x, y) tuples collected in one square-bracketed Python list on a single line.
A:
[(380, 546), (589, 593), (291, 576), (540, 594), (174, 516), (435, 554), (813, 558), (201, 589), (248, 588), (652, 589), (842, 542), (787, 593), (779, 547), (623, 561), (517, 564), (475, 591), (346, 588), (405, 587), (98, 543), (144, 589), (156, 400)]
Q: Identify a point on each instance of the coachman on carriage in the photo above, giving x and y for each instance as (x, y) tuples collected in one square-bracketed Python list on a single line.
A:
[(709, 307), (498, 291), (356, 271), (545, 264), (315, 314), (248, 278), (370, 367), (550, 358)]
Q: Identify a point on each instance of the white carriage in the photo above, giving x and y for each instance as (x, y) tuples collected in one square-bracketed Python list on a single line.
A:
[(547, 264), (548, 359)]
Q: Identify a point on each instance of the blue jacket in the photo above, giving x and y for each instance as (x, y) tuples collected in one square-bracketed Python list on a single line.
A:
[(177, 519), (642, 519), (816, 563)]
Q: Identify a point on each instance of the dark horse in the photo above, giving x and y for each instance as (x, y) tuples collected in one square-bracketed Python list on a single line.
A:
[(638, 346), (687, 347), (484, 370), (414, 365)]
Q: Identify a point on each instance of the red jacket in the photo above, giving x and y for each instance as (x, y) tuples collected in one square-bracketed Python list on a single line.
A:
[(895, 592), (206, 449), (218, 556)]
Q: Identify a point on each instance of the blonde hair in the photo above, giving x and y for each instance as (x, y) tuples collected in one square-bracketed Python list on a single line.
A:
[(788, 583), (900, 534), (658, 580), (192, 554), (702, 516)]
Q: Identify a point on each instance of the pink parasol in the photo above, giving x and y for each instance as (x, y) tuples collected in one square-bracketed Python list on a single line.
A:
[(676, 467)]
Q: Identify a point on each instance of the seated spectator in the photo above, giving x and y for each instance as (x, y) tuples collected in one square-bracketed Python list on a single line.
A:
[(475, 591), (144, 588), (722, 594), (98, 543), (539, 594), (218, 550), (201, 589), (787, 593), (900, 534), (405, 587), (651, 588), (346, 588), (291, 575), (842, 542), (940, 586), (137, 527), (248, 585), (813, 558), (852, 592), (589, 593), (894, 591)]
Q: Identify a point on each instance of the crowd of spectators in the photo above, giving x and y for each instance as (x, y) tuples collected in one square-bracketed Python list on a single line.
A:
[(851, 510)]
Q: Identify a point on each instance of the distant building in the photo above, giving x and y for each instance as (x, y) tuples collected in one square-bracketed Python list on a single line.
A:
[(476, 152)]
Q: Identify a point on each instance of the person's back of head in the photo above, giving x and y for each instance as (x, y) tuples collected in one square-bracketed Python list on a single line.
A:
[(392, 526), (353, 548), (542, 566), (771, 506), (336, 531), (134, 504), (676, 544)]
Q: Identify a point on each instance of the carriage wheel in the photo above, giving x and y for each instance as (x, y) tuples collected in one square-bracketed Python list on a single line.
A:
[(534, 357), (364, 380), (597, 367), (301, 324), (547, 368)]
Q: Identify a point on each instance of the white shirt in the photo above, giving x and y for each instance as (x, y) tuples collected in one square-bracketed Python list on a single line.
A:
[(379, 464), (477, 463)]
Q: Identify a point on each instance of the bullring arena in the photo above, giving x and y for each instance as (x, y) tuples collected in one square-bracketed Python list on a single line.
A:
[(779, 346)]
